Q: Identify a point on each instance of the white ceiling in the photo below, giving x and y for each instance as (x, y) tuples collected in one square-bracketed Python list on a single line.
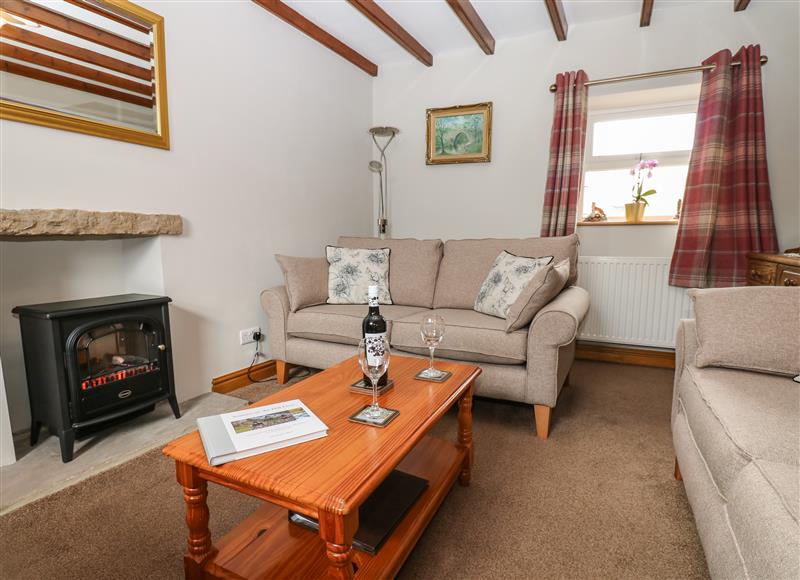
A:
[(437, 28)]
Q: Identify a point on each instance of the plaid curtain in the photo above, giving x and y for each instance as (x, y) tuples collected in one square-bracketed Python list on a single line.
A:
[(567, 143), (727, 207)]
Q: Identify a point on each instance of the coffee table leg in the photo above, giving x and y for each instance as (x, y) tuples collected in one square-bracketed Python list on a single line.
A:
[(465, 435), (195, 492), (337, 531)]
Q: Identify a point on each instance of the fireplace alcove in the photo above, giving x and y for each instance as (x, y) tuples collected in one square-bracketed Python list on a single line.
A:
[(56, 255)]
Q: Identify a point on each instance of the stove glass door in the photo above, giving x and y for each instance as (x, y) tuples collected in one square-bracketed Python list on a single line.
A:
[(114, 352)]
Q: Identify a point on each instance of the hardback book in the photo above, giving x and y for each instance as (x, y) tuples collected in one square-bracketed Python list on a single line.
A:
[(255, 430), (380, 513)]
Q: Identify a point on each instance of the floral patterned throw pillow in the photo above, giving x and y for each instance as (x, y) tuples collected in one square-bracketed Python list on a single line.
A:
[(507, 278), (352, 271)]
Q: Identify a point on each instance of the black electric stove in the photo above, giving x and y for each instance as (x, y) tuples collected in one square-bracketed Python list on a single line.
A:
[(90, 363)]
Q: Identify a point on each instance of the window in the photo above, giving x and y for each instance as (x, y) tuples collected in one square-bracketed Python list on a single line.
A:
[(618, 138)]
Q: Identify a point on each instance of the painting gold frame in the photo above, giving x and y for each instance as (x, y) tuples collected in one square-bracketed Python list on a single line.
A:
[(25, 113), (483, 156)]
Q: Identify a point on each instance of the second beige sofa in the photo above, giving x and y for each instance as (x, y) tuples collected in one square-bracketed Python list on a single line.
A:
[(736, 429), (529, 365)]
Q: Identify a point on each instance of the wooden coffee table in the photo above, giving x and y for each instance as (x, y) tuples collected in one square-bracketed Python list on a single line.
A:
[(329, 478)]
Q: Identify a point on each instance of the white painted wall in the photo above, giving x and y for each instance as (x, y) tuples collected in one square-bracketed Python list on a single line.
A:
[(269, 151), (504, 197)]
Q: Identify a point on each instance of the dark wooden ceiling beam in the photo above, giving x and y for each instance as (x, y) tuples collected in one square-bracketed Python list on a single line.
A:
[(65, 66), (11, 32), (63, 23), (469, 17), (304, 25), (38, 74), (100, 10), (392, 28), (555, 9), (647, 12), (739, 5)]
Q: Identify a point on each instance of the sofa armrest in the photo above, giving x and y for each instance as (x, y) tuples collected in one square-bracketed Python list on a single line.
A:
[(554, 326), (685, 350), (557, 323), (275, 302)]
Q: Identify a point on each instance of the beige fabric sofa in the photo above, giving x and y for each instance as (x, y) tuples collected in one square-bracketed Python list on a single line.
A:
[(737, 441), (529, 365)]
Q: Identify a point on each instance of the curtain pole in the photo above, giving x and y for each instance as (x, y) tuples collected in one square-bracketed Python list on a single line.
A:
[(659, 73)]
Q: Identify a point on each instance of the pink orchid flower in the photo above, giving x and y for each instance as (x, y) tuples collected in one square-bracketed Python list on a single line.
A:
[(639, 195)]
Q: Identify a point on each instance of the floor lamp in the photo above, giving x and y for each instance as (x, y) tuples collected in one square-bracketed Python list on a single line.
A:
[(381, 168)]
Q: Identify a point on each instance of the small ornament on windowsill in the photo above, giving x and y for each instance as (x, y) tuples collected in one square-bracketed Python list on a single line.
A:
[(677, 215), (596, 215)]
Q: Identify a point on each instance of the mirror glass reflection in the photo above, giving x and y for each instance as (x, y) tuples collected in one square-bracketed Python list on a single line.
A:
[(87, 58)]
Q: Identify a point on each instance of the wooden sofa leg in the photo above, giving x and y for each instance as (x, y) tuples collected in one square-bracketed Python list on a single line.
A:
[(283, 369), (542, 416), (678, 475)]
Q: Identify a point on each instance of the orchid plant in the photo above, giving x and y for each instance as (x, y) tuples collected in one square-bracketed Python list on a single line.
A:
[(638, 171)]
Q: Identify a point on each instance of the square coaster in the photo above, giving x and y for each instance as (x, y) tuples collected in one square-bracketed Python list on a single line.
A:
[(363, 387), (361, 417), (440, 379)]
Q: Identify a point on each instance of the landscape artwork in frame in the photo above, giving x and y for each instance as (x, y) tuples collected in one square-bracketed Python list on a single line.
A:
[(460, 134)]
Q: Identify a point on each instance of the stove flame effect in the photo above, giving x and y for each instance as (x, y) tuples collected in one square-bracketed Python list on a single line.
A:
[(112, 377)]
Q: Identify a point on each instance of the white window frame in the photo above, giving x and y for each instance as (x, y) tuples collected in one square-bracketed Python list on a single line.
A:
[(608, 162)]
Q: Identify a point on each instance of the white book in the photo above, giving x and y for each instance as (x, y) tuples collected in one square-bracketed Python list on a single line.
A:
[(240, 434)]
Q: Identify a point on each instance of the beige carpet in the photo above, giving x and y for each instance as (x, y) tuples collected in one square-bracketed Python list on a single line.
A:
[(595, 501)]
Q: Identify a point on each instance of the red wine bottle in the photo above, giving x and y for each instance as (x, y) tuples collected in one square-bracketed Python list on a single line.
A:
[(374, 325)]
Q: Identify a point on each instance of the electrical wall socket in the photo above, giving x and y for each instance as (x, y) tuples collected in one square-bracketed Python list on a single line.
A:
[(246, 335)]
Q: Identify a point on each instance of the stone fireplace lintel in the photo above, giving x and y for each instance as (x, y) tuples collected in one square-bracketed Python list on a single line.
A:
[(31, 224)]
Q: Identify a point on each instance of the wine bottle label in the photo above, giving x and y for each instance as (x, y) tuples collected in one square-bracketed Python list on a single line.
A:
[(372, 301), (375, 346)]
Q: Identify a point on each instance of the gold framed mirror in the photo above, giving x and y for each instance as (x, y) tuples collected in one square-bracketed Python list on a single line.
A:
[(91, 66)]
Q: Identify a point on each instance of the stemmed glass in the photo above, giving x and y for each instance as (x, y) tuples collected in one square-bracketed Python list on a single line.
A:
[(373, 357), (432, 330)]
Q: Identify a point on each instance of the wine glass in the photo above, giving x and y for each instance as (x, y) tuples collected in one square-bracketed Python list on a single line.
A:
[(432, 330), (373, 357)]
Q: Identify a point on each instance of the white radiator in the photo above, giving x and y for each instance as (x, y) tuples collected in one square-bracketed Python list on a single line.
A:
[(631, 301)]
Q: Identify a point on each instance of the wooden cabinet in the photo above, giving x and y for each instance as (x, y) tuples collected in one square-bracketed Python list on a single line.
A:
[(789, 278), (773, 269)]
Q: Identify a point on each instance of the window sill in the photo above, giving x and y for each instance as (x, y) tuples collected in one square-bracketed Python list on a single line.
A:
[(654, 221)]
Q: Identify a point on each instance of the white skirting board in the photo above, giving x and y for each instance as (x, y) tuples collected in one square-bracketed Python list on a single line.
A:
[(632, 303)]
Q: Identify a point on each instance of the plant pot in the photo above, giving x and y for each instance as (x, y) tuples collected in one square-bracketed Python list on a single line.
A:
[(634, 212)]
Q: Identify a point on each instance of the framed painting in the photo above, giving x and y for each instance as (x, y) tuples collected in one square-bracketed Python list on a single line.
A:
[(461, 134)]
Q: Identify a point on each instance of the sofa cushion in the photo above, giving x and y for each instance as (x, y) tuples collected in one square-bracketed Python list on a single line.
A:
[(306, 280), (545, 286), (340, 322), (738, 416), (469, 336), (352, 271), (756, 328), (413, 267), (762, 510), (505, 281), (466, 263)]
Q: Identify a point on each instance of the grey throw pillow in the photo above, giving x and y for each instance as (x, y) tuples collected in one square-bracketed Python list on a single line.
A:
[(306, 280), (545, 285), (507, 278), (351, 271)]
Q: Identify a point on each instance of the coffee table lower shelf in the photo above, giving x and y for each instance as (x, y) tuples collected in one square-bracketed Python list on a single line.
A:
[(266, 545)]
